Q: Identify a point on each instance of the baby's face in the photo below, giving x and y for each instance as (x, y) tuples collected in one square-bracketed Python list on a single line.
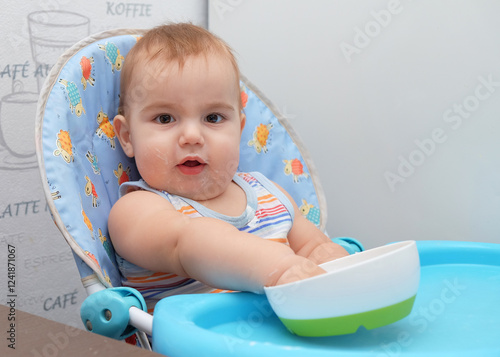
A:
[(185, 133)]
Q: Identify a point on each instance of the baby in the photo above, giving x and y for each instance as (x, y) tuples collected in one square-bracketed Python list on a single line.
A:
[(190, 225)]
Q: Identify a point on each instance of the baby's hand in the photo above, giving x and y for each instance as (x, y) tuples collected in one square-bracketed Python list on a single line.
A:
[(302, 270), (326, 252)]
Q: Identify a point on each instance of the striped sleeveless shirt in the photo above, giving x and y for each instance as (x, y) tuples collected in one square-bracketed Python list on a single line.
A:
[(269, 215)]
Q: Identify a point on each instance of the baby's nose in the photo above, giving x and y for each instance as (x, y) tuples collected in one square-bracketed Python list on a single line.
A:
[(191, 134)]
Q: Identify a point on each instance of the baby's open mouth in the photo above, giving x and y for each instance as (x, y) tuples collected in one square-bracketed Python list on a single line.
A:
[(191, 163), (191, 167)]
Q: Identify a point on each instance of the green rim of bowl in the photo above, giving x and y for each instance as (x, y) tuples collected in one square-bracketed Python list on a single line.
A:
[(342, 325)]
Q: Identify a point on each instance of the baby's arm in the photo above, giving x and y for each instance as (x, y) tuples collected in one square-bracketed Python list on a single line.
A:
[(308, 241), (147, 231)]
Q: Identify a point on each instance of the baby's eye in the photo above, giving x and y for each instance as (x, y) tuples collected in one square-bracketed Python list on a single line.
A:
[(164, 119), (214, 118)]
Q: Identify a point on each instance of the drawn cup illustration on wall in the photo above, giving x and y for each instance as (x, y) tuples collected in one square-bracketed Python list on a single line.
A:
[(51, 33), (17, 122)]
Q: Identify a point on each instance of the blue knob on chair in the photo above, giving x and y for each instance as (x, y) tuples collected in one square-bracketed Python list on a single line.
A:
[(106, 312)]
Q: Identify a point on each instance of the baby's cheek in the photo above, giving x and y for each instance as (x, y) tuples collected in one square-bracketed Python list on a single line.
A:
[(151, 168)]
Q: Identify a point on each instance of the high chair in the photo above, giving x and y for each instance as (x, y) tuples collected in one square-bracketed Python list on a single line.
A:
[(82, 166)]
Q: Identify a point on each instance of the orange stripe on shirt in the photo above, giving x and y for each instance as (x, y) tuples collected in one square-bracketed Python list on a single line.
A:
[(264, 199), (217, 291), (279, 240), (261, 198), (186, 210)]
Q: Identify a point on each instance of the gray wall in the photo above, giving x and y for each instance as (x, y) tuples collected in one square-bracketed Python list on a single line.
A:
[(397, 101)]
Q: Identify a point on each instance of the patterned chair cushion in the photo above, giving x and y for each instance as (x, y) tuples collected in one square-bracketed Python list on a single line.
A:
[(83, 163)]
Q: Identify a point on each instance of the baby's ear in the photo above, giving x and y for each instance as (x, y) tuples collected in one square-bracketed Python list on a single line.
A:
[(243, 121), (122, 131)]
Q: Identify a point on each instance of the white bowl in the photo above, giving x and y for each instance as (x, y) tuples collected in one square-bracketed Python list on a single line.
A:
[(372, 288)]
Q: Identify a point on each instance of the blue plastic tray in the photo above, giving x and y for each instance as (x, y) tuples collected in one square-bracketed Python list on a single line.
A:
[(456, 313)]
